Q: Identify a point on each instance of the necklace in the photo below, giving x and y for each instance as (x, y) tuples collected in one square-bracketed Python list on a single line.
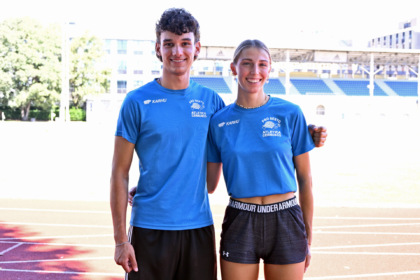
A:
[(264, 102)]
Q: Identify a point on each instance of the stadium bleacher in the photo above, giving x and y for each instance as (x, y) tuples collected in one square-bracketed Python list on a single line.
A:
[(403, 88), (310, 86), (218, 84), (305, 86), (358, 88), (274, 86)]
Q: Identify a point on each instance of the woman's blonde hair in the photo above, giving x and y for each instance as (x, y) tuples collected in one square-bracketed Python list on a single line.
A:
[(250, 44)]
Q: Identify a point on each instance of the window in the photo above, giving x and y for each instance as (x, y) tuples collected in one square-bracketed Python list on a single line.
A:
[(137, 84), (122, 86), (320, 110), (107, 46), (137, 47), (122, 46), (122, 68)]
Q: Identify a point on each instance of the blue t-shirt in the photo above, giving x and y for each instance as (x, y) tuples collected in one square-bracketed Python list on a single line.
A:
[(257, 146), (169, 129)]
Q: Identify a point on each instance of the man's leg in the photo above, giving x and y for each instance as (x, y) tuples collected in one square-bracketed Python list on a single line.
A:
[(156, 254), (198, 255)]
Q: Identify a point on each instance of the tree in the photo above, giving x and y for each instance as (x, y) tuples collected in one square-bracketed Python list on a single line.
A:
[(29, 65), (87, 75)]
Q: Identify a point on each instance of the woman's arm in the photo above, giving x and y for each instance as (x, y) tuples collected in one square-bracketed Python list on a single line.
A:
[(306, 200)]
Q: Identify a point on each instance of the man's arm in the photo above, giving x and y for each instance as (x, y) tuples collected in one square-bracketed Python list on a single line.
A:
[(214, 169), (319, 134), (123, 155)]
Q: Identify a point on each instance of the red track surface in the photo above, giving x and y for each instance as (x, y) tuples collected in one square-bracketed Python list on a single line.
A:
[(73, 240)]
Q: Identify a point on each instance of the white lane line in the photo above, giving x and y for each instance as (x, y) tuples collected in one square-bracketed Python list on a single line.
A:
[(59, 244), (367, 226), (54, 225), (363, 253), (365, 232), (58, 260), (10, 249), (368, 218), (365, 246), (63, 272), (54, 237), (55, 210), (363, 275)]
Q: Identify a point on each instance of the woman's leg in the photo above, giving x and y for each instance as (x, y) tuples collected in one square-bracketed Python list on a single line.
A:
[(284, 272), (235, 271)]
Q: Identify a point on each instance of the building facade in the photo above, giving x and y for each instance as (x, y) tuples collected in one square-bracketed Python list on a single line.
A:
[(406, 37)]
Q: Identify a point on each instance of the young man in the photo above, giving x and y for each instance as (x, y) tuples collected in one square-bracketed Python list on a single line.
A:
[(166, 121)]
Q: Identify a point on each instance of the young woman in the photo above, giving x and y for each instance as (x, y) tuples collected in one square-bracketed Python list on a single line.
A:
[(262, 142)]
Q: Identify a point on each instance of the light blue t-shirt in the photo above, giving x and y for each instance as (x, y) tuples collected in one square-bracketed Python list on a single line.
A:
[(169, 129), (257, 146)]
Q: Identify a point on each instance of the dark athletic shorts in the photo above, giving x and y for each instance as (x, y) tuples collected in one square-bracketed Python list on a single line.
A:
[(274, 232), (174, 254)]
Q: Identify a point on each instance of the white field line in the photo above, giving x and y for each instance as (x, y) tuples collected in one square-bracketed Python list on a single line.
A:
[(367, 218), (10, 249), (55, 210), (363, 253), (57, 260), (365, 232), (63, 272), (218, 231), (54, 225), (59, 244), (362, 275), (366, 226), (54, 237), (365, 246)]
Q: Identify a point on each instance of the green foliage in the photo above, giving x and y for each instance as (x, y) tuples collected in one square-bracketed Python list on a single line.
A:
[(37, 113), (29, 65), (87, 76), (77, 114)]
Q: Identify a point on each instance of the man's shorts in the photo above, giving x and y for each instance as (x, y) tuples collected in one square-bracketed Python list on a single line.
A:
[(175, 255), (274, 232)]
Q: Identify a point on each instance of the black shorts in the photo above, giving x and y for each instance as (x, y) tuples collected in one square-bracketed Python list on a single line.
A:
[(274, 232), (174, 254)]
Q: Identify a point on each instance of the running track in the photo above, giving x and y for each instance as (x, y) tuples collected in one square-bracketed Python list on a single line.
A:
[(47, 239)]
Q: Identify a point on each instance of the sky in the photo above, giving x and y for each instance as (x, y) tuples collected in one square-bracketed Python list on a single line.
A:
[(278, 23)]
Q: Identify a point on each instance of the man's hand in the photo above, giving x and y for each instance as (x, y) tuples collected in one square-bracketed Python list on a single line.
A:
[(124, 256), (131, 195), (319, 134)]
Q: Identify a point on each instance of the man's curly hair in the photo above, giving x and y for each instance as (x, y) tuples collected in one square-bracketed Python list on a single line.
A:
[(177, 21)]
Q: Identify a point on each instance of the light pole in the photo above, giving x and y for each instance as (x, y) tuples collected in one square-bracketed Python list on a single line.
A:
[(65, 88)]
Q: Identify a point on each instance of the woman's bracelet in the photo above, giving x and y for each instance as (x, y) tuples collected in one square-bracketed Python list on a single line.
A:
[(120, 244)]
